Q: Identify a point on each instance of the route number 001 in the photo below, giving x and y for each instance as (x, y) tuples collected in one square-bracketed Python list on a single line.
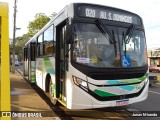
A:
[(90, 13)]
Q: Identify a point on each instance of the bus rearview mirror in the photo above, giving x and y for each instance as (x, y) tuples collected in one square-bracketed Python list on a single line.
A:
[(68, 34)]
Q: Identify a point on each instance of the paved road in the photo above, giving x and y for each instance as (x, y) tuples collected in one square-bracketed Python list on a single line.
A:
[(150, 105), (153, 101), (154, 73)]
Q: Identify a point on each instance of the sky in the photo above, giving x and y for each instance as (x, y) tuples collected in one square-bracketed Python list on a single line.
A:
[(147, 9)]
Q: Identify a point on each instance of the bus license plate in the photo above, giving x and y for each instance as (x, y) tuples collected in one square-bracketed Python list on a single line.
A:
[(122, 102)]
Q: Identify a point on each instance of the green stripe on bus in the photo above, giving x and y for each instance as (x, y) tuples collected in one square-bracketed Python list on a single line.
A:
[(143, 78), (131, 81), (134, 80), (103, 94), (47, 64), (62, 96), (46, 59), (33, 76)]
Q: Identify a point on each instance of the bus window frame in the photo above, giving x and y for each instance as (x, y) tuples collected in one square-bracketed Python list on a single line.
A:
[(48, 42), (25, 54), (32, 51), (38, 47)]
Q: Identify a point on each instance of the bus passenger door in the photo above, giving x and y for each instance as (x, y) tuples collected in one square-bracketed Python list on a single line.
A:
[(25, 63), (61, 65), (32, 63)]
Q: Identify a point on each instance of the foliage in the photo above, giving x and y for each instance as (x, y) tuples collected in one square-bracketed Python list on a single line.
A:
[(40, 20)]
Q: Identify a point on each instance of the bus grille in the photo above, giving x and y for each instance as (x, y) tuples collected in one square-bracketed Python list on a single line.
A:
[(113, 76)]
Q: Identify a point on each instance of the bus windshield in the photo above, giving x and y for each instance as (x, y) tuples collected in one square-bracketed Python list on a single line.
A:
[(95, 49)]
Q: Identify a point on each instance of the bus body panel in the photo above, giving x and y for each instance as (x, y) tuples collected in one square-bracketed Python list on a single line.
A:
[(76, 97), (33, 72), (25, 71), (109, 87), (44, 66), (48, 68), (25, 61), (113, 103), (81, 99), (39, 72)]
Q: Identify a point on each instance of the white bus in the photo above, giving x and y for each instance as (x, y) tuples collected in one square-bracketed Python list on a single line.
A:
[(90, 56)]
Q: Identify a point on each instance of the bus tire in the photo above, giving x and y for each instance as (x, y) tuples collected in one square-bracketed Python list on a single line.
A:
[(51, 93)]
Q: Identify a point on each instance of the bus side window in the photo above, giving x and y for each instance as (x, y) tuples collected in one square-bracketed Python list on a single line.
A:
[(48, 41), (25, 54), (40, 45)]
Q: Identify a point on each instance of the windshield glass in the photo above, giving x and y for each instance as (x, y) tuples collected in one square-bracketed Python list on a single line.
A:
[(133, 47), (93, 48)]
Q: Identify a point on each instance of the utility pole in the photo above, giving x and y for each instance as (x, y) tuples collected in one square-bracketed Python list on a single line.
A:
[(14, 34)]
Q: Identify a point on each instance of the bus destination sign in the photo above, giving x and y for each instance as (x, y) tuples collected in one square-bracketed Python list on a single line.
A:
[(108, 14)]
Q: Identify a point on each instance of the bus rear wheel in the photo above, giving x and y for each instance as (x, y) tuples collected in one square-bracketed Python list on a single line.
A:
[(51, 93)]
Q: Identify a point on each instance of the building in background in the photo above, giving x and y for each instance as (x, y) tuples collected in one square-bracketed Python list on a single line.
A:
[(154, 57)]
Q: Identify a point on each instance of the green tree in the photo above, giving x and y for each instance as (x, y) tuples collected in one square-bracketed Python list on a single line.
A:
[(40, 20), (19, 52), (20, 42)]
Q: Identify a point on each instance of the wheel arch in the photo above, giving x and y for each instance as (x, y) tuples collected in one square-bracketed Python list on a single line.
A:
[(47, 82)]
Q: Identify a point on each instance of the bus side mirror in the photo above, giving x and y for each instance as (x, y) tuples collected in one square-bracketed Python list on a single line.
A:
[(68, 34)]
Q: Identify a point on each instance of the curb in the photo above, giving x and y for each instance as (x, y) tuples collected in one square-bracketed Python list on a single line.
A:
[(19, 71)]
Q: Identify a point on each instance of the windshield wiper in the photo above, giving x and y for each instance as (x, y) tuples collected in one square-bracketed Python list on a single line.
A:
[(105, 30), (107, 33), (129, 33)]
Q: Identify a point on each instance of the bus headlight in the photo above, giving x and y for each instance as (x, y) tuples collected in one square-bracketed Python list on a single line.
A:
[(80, 83)]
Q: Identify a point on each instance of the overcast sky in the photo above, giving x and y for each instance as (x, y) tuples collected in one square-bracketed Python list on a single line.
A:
[(147, 9)]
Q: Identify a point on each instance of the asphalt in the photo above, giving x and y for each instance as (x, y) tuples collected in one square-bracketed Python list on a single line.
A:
[(25, 102)]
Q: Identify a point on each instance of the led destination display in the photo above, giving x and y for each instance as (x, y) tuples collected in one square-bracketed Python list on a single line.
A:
[(108, 14)]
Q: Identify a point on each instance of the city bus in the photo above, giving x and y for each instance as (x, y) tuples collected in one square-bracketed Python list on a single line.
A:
[(90, 56), (4, 61)]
